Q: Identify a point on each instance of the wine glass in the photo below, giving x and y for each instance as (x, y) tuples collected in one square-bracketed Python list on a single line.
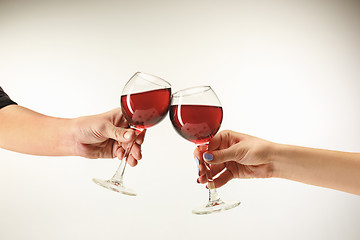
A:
[(196, 114), (145, 101)]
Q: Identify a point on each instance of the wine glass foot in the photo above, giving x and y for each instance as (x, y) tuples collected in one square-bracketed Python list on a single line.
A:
[(114, 186), (213, 207)]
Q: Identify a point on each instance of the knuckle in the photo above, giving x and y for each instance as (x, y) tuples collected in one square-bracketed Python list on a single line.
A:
[(118, 133), (239, 154), (227, 133)]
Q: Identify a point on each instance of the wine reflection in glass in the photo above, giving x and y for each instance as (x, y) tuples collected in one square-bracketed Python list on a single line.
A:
[(196, 114), (145, 101)]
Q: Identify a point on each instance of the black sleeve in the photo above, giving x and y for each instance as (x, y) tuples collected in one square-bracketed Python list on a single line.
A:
[(4, 99)]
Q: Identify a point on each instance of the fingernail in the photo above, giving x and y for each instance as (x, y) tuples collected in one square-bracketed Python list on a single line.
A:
[(198, 181), (197, 164), (127, 135), (197, 161), (208, 156)]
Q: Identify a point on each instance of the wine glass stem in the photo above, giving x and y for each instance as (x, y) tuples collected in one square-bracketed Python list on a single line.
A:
[(118, 176), (213, 195)]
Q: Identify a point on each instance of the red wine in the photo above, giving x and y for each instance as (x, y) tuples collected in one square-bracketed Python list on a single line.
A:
[(196, 123), (146, 109)]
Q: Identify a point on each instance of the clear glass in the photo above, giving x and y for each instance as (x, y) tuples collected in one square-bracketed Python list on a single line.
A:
[(196, 114), (145, 101)]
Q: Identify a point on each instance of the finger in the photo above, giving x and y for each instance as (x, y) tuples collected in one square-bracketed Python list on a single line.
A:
[(198, 157), (233, 153), (140, 137), (223, 178), (197, 154), (214, 170), (202, 179), (115, 149), (119, 134), (225, 138), (131, 161), (116, 115), (120, 153), (136, 152), (202, 169), (216, 141), (118, 118), (197, 164)]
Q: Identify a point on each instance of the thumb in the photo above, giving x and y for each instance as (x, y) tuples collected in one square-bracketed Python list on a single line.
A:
[(119, 134), (223, 155)]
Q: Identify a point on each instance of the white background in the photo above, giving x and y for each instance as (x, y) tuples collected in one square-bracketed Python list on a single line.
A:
[(286, 71)]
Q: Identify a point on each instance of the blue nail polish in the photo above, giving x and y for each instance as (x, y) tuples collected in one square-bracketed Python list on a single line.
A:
[(208, 156), (197, 161)]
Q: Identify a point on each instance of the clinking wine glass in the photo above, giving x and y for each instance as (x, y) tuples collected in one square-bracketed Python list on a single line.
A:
[(196, 114), (145, 101)]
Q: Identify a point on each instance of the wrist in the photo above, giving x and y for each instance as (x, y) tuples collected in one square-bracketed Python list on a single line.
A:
[(279, 162)]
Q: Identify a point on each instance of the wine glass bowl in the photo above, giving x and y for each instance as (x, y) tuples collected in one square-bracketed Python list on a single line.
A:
[(146, 106), (196, 114), (145, 101)]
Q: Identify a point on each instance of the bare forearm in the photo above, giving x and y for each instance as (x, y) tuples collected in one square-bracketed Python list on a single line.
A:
[(23, 130), (332, 169)]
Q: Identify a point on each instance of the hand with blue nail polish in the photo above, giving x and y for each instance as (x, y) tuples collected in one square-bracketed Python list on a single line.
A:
[(235, 155)]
